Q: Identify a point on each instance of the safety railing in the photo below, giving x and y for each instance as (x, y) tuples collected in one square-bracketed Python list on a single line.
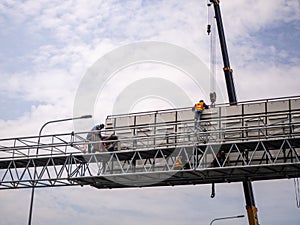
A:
[(212, 131), (262, 120), (46, 145)]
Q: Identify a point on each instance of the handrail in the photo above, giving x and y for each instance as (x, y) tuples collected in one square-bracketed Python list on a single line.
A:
[(54, 146), (216, 105), (217, 128)]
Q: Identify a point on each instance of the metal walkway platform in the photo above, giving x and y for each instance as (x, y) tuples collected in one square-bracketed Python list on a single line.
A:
[(257, 140)]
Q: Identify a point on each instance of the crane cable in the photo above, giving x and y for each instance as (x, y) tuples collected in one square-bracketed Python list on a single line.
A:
[(212, 69), (211, 31), (297, 191)]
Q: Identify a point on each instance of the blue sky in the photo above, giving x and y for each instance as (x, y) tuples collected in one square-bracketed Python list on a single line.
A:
[(46, 49)]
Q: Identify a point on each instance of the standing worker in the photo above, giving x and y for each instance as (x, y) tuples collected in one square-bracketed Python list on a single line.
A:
[(198, 108), (94, 135)]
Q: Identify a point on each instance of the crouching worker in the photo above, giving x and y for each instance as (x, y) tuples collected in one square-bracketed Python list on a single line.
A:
[(110, 142)]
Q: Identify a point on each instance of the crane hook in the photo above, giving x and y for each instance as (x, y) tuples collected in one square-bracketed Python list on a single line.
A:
[(213, 191)]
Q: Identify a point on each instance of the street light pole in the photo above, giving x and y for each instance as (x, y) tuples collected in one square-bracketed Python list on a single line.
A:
[(225, 218), (37, 151), (57, 121)]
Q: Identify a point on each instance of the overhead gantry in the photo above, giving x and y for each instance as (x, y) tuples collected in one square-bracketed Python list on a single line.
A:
[(257, 140)]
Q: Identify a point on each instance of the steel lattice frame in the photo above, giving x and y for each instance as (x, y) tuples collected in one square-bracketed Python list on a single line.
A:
[(254, 149), (254, 160)]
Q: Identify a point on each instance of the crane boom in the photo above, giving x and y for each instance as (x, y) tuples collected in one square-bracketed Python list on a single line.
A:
[(248, 192), (227, 70)]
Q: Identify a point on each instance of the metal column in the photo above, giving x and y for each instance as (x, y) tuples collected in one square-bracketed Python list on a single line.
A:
[(250, 203)]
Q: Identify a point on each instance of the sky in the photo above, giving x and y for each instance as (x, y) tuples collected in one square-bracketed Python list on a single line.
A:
[(47, 48)]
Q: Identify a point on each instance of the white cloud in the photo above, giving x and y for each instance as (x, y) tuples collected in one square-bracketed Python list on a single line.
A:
[(243, 18), (264, 80), (167, 205)]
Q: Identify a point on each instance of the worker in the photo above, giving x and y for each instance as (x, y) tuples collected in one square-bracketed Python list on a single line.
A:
[(198, 108), (109, 142), (95, 136), (219, 160)]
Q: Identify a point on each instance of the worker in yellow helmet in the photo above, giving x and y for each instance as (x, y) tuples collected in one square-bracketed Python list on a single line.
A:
[(198, 108)]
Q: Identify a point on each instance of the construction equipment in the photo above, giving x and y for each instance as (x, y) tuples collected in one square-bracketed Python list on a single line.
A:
[(250, 203)]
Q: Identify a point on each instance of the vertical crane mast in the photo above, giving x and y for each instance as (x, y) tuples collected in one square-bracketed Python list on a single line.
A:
[(227, 70), (248, 192)]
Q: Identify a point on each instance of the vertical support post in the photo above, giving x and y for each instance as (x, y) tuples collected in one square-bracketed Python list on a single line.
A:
[(154, 129), (31, 206), (227, 69), (250, 203), (37, 153)]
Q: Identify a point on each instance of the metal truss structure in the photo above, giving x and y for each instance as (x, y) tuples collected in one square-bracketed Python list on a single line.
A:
[(252, 141)]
